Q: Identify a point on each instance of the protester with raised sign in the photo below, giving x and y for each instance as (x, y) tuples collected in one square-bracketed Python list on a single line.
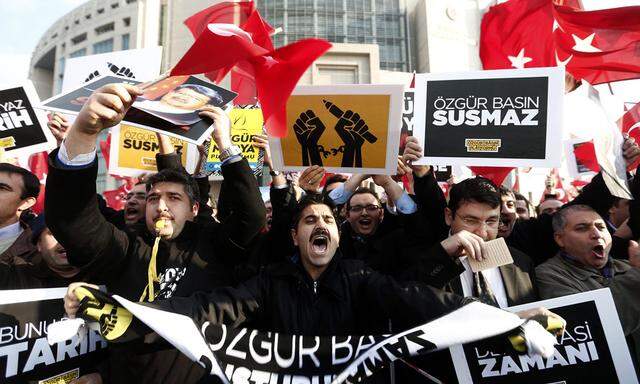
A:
[(19, 190), (186, 255)]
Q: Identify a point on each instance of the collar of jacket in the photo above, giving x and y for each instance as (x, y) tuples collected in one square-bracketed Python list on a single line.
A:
[(328, 281), (22, 246), (583, 272)]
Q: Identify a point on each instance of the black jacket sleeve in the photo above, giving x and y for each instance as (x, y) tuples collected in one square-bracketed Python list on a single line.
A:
[(169, 161), (406, 304), (431, 204), (247, 211), (72, 215)]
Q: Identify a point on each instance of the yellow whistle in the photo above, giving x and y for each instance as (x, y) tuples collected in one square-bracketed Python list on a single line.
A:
[(160, 225)]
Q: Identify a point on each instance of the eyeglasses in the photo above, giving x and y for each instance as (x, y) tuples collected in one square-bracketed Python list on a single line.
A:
[(370, 208), (475, 223)]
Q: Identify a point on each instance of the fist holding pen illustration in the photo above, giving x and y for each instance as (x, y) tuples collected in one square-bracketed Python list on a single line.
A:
[(308, 128), (353, 131), (350, 127)]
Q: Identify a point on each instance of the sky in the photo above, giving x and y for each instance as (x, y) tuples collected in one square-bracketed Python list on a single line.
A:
[(22, 24)]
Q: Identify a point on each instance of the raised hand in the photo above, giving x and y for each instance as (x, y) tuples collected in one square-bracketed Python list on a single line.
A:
[(309, 128), (58, 126), (353, 131)]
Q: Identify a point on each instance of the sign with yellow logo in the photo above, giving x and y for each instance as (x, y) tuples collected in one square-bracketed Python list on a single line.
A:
[(133, 151), (245, 124), (343, 128)]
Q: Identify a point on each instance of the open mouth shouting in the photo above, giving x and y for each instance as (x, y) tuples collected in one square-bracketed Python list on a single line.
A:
[(131, 213), (599, 252), (319, 242)]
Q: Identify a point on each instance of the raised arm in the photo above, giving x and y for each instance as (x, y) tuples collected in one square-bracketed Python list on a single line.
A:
[(71, 203)]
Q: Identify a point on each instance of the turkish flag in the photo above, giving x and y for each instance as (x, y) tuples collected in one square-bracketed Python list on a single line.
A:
[(276, 72), (495, 174), (517, 34), (116, 198), (586, 155), (244, 15), (39, 166), (599, 46), (629, 123)]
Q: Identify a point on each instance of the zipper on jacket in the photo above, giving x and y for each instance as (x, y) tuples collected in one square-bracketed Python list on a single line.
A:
[(315, 287)]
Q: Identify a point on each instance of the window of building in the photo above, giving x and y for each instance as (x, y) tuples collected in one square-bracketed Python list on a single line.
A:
[(76, 22), (126, 21), (100, 11), (105, 28), (103, 46), (88, 17), (125, 41), (61, 62), (78, 53), (115, 5), (131, 1), (79, 39), (338, 74)]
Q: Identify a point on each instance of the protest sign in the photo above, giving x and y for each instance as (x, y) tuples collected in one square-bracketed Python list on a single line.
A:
[(343, 128), (133, 151), (238, 355), (25, 354), (137, 64), (23, 129), (168, 105), (490, 118), (581, 158), (245, 123), (407, 119), (591, 350)]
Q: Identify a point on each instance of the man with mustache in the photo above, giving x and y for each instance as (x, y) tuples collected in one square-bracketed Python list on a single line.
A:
[(172, 253)]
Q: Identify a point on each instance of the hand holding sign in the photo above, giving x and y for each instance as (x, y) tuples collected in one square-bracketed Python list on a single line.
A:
[(106, 107), (308, 128)]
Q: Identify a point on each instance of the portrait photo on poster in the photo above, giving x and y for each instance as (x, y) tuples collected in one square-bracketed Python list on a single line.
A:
[(490, 118), (592, 348), (23, 128), (177, 99), (166, 88), (342, 128)]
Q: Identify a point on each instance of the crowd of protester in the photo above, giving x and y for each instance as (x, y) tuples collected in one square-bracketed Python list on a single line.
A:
[(312, 260)]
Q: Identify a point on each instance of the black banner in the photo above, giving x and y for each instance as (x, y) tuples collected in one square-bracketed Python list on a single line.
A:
[(27, 357), (19, 125), (490, 118)]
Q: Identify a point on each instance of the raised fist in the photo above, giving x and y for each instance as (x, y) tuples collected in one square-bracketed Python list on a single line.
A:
[(353, 131), (121, 71), (92, 76), (309, 128)]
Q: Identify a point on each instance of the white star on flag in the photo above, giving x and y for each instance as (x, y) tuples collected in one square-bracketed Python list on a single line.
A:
[(586, 44), (562, 63), (520, 60)]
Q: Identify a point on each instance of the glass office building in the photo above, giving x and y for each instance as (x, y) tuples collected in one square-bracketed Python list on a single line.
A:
[(381, 22)]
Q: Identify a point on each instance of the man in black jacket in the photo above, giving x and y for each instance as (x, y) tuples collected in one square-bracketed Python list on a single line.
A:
[(190, 255)]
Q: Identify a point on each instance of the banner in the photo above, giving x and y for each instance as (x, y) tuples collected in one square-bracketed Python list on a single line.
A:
[(238, 355), (407, 119), (168, 106), (23, 129), (592, 350), (137, 64), (343, 128), (490, 118), (245, 123), (25, 354), (133, 151)]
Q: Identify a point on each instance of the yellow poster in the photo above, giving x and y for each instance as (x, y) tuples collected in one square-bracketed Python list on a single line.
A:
[(337, 131), (245, 123), (137, 148)]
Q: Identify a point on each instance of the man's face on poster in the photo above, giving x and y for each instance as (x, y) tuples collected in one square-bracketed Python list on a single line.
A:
[(185, 98)]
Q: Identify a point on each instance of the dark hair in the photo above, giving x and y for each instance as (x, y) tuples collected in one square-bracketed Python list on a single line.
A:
[(335, 178), (504, 191), (211, 93), (309, 200), (476, 189), (559, 219), (31, 184), (179, 177), (363, 191)]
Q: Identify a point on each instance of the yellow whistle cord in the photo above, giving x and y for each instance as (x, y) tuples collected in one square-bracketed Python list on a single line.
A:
[(152, 273)]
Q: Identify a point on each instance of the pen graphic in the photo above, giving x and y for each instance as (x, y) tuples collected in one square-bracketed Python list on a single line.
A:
[(337, 112)]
